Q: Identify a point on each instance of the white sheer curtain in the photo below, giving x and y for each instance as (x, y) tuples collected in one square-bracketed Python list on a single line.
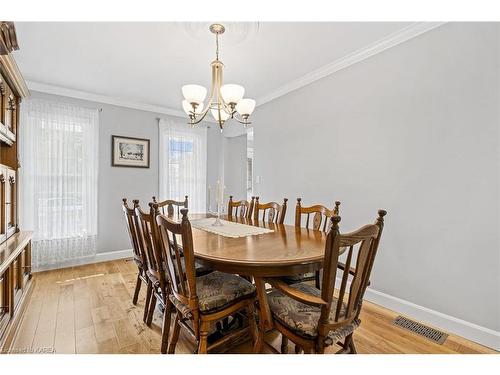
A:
[(58, 187), (183, 163)]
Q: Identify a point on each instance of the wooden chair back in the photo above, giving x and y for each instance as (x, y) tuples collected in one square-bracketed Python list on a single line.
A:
[(149, 240), (177, 242), (241, 208), (320, 220), (275, 212), (362, 245), (169, 207), (132, 232)]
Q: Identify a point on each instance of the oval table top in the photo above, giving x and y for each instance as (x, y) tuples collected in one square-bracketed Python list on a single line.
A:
[(288, 250)]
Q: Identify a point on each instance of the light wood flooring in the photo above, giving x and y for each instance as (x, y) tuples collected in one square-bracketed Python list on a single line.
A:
[(88, 309)]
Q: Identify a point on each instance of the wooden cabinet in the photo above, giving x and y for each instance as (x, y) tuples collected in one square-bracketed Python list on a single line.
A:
[(12, 89), (15, 245)]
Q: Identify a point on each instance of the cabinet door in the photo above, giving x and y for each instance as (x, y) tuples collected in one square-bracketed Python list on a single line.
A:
[(4, 302), (3, 205), (6, 208), (3, 94), (8, 102), (3, 295), (17, 280), (11, 202), (27, 262)]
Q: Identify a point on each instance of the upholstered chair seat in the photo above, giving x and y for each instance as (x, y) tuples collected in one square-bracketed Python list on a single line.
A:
[(216, 291), (303, 319)]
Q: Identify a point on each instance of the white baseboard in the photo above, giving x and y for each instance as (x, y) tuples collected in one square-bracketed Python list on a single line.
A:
[(100, 257), (459, 327)]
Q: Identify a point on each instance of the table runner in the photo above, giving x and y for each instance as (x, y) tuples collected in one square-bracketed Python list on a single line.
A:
[(229, 229)]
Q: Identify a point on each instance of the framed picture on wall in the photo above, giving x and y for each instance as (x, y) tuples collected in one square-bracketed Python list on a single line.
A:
[(129, 152)]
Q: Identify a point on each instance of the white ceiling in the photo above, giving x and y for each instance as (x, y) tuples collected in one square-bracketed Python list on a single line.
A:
[(149, 62)]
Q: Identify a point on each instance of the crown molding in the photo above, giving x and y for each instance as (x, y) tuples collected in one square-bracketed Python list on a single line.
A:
[(13, 74), (372, 49), (78, 94)]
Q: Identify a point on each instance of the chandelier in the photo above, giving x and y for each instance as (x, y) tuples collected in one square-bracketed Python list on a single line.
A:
[(224, 102)]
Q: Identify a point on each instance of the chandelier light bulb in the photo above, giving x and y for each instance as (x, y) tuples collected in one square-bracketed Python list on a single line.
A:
[(194, 93), (245, 107), (232, 93)]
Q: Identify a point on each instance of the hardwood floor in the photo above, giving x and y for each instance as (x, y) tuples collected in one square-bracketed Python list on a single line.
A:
[(88, 309)]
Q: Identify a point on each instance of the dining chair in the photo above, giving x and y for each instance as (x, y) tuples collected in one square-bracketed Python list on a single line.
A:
[(244, 208), (156, 270), (158, 208), (158, 287), (320, 221), (169, 205), (201, 301), (275, 212), (316, 318), (139, 257)]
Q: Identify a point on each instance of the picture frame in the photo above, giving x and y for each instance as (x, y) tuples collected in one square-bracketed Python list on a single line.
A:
[(130, 152)]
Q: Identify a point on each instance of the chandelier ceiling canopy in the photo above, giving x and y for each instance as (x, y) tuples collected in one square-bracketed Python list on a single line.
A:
[(224, 101)]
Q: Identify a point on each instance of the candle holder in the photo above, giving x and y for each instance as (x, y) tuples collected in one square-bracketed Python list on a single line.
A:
[(217, 222), (219, 203)]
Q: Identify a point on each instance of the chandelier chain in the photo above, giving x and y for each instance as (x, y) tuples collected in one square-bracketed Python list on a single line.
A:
[(217, 46)]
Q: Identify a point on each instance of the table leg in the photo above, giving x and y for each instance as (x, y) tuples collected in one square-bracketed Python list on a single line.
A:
[(265, 319)]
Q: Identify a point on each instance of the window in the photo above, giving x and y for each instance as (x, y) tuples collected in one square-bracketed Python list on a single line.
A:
[(249, 165), (59, 157), (183, 159)]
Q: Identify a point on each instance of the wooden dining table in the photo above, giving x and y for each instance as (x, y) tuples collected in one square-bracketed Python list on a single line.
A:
[(286, 251)]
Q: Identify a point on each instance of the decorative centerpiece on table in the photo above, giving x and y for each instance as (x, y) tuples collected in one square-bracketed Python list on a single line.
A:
[(219, 202)]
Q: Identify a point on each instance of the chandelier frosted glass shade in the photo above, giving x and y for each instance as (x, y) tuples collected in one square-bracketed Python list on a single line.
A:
[(245, 107), (188, 108), (194, 93), (223, 115), (232, 93)]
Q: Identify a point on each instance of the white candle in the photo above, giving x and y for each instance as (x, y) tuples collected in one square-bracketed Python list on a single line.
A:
[(217, 193), (222, 195)]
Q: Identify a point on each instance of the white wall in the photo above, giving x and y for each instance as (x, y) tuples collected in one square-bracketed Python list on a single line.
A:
[(235, 167), (215, 161), (413, 130), (132, 183)]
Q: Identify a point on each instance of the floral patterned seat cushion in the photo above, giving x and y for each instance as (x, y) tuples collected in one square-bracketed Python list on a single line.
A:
[(216, 291), (303, 319)]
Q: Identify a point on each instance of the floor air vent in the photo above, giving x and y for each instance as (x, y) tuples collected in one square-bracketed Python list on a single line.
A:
[(420, 329)]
